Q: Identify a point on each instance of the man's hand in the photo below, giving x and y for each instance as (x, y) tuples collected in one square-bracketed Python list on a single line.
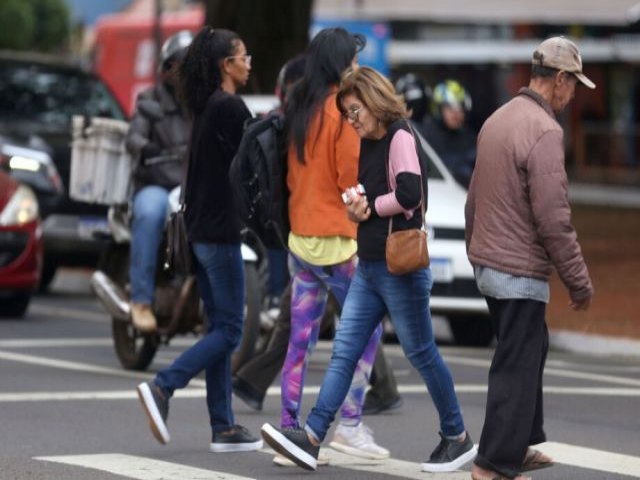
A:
[(358, 209), (582, 304)]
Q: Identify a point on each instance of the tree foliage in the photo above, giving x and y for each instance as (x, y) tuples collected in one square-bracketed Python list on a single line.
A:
[(42, 25), (274, 31)]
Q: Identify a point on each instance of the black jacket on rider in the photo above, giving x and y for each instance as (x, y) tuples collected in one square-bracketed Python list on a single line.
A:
[(456, 148), (157, 139)]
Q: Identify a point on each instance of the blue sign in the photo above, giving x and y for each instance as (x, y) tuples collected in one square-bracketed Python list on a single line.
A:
[(377, 33)]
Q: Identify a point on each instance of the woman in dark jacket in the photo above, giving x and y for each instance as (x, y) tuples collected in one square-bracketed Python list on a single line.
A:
[(214, 67), (157, 141)]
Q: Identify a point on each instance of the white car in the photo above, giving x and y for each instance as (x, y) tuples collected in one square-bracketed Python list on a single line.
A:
[(454, 293)]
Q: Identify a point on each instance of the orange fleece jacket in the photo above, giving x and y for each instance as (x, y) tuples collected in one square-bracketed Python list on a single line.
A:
[(331, 154)]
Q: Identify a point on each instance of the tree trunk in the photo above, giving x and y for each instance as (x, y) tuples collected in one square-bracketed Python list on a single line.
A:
[(273, 31)]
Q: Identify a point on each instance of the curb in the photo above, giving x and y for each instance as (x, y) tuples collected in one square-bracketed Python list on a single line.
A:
[(594, 344)]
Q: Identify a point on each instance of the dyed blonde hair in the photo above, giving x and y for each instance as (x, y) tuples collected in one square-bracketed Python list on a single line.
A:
[(375, 91)]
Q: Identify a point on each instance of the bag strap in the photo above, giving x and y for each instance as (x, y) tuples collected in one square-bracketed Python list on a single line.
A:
[(185, 174), (422, 200)]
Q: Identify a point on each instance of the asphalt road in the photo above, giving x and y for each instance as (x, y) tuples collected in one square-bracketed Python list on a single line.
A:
[(69, 411)]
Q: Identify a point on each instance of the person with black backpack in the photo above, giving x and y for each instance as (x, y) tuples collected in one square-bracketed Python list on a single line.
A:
[(157, 140), (321, 163)]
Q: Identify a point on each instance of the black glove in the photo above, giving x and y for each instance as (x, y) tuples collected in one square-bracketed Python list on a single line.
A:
[(150, 150)]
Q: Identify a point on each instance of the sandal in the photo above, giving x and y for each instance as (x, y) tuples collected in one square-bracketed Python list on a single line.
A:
[(496, 476), (535, 460)]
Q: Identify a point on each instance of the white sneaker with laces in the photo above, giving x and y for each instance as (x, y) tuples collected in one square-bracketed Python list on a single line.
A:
[(358, 441)]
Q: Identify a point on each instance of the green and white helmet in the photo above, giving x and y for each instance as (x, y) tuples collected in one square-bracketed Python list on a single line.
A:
[(449, 92)]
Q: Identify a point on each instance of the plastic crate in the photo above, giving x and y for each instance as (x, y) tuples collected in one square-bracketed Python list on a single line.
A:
[(100, 163)]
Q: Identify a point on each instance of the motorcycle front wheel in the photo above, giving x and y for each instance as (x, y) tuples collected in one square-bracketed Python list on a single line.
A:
[(134, 351)]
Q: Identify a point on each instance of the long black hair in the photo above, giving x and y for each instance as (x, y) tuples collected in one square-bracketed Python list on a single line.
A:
[(328, 55), (199, 73)]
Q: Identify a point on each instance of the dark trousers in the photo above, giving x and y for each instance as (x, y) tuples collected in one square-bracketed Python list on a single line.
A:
[(383, 382), (514, 415), (260, 372)]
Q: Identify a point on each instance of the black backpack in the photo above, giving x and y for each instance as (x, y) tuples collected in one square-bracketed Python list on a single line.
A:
[(258, 175)]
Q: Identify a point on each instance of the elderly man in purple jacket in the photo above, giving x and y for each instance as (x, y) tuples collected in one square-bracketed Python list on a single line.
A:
[(518, 227)]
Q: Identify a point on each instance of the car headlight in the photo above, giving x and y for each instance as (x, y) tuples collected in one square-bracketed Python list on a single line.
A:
[(22, 208)]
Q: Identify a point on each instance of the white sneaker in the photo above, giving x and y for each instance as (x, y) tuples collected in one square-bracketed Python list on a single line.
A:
[(358, 441), (282, 461)]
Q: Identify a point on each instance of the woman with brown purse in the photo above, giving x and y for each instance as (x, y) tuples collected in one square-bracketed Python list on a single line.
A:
[(389, 170)]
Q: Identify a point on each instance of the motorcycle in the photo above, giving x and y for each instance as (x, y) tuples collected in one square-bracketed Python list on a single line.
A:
[(176, 304)]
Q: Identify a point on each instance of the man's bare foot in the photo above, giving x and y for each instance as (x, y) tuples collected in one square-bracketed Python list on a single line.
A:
[(478, 473)]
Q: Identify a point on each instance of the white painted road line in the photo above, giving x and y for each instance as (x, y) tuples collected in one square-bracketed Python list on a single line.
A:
[(275, 392), (95, 395), (80, 367), (183, 342), (69, 313), (56, 342), (472, 362), (141, 468), (592, 459), (388, 466), (392, 467)]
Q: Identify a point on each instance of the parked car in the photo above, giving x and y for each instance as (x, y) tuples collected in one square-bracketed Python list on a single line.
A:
[(38, 96), (21, 246), (29, 161)]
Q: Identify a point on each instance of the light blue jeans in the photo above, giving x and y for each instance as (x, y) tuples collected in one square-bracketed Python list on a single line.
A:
[(149, 216), (374, 292)]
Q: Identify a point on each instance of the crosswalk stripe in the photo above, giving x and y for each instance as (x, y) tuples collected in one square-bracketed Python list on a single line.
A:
[(592, 459), (389, 466), (140, 468)]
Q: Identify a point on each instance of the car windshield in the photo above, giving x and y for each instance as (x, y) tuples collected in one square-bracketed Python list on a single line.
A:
[(52, 96)]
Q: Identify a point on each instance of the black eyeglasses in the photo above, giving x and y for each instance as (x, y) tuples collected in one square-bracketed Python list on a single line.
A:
[(352, 114)]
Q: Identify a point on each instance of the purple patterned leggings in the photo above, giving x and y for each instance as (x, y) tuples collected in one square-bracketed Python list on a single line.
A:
[(310, 288)]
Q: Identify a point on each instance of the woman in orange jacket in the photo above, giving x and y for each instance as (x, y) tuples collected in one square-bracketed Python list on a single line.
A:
[(323, 163)]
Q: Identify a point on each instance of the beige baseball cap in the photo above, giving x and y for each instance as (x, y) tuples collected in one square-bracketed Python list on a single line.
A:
[(562, 54)]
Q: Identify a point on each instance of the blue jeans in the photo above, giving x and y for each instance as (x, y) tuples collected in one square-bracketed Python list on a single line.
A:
[(220, 277), (149, 217), (374, 292)]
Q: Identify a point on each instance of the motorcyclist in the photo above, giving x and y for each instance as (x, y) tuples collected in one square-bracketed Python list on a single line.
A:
[(417, 96), (157, 140), (447, 132)]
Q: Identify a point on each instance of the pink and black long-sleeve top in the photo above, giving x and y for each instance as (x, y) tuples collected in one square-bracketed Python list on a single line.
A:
[(399, 198)]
